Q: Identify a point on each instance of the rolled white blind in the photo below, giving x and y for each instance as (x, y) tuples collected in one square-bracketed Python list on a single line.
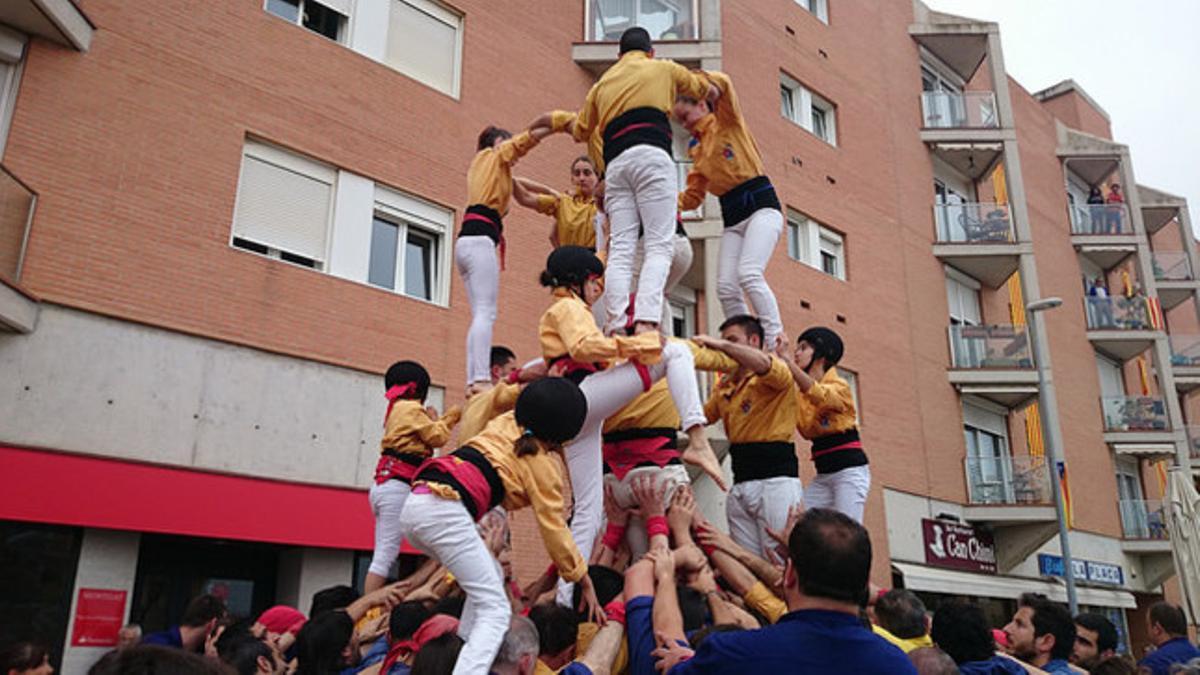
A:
[(283, 208), (422, 42), (340, 6)]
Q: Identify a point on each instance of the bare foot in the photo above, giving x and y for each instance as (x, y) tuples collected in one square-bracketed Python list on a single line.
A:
[(700, 454)]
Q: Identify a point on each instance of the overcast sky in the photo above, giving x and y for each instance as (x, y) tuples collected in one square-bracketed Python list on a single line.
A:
[(1139, 60)]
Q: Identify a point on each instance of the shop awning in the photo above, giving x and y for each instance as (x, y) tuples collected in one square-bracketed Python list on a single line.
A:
[(950, 582), (66, 489)]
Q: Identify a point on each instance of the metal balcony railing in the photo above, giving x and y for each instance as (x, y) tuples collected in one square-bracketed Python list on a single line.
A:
[(1193, 434), (973, 223), (1172, 266), (1134, 413), (664, 19), (954, 110), (1005, 479), (1117, 313), (17, 203), (998, 346), (1143, 519), (1185, 351), (1100, 219)]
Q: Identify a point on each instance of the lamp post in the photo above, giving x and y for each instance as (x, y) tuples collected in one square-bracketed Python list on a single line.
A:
[(1048, 410)]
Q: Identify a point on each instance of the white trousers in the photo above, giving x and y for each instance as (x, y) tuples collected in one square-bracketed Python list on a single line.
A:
[(673, 476), (444, 529), (641, 188), (477, 263), (387, 501), (745, 251), (755, 505), (681, 262), (844, 490), (607, 392)]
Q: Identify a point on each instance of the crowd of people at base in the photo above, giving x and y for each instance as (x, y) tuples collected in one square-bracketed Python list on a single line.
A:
[(695, 603)]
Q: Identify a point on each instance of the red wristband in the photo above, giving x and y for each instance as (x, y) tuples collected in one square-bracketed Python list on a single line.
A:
[(613, 536), (514, 377), (551, 571), (708, 549), (657, 525), (615, 611)]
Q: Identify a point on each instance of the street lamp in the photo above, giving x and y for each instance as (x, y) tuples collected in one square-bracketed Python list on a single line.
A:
[(1053, 435)]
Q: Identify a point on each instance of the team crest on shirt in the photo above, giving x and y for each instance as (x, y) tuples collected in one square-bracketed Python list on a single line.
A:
[(727, 153), (745, 407)]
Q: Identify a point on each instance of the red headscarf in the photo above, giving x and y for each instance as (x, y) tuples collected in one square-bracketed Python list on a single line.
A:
[(433, 628)]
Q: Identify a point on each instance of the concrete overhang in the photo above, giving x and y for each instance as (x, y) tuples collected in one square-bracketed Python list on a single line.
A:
[(1158, 207), (1187, 378), (18, 310), (1174, 293), (960, 42), (1092, 158), (1106, 251), (990, 264), (59, 21), (1148, 445), (974, 160), (596, 57), (1011, 388), (1066, 87), (1123, 345), (1146, 546)]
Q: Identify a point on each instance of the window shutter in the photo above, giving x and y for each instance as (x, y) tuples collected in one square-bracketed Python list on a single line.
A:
[(422, 42), (283, 208), (340, 6)]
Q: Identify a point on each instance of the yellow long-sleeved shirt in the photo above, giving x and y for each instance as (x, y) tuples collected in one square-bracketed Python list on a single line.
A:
[(725, 154), (655, 409), (756, 408), (487, 406), (489, 178), (567, 328), (635, 81), (532, 480), (826, 408), (410, 430), (762, 600), (574, 218)]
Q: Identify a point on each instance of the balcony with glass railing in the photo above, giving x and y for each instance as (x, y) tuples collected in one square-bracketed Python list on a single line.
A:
[(1143, 519), (996, 346), (1100, 219), (973, 223), (1185, 351), (1008, 479), (1120, 313), (1134, 413), (1171, 266), (959, 110), (17, 203), (666, 20)]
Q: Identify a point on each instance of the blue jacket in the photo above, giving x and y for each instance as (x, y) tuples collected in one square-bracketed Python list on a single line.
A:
[(812, 642), (1178, 650), (997, 665)]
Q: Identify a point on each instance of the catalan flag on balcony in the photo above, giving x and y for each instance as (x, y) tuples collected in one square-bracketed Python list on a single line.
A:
[(1154, 309), (1126, 283), (1143, 375), (1160, 470), (1065, 487)]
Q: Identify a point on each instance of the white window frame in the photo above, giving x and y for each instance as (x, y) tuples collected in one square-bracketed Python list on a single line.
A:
[(439, 12), (834, 244), (299, 164), (342, 7), (803, 102), (851, 378), (958, 284), (813, 239), (818, 8), (406, 211), (680, 139)]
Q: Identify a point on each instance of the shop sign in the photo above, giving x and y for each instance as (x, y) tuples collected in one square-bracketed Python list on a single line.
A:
[(959, 547), (1085, 570), (99, 614)]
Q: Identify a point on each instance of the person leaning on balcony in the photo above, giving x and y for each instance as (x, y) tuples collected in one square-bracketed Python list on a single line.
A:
[(1095, 200), (1114, 212), (726, 162), (1102, 311)]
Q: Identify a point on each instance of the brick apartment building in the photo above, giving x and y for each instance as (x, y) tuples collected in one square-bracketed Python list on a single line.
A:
[(220, 222)]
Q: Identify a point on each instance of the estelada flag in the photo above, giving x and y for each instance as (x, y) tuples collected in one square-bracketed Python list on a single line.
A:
[(1154, 308), (1065, 488)]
